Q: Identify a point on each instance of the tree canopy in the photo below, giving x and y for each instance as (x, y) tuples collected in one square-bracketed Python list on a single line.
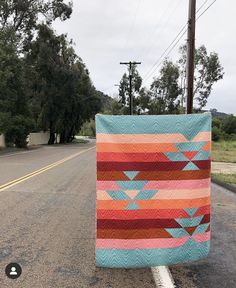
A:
[(167, 91), (44, 85)]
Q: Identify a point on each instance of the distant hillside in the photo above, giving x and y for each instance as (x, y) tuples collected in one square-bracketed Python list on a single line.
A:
[(218, 114)]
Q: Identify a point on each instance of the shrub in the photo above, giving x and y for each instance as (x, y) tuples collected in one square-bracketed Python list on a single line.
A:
[(88, 129), (216, 134)]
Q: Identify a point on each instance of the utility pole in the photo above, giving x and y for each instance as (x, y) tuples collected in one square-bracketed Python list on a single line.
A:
[(130, 65), (190, 54)]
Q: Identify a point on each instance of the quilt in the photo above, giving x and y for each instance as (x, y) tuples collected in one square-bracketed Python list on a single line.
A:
[(153, 189)]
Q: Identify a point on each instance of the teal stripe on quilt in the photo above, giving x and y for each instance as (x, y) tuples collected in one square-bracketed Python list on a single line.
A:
[(188, 125), (119, 258)]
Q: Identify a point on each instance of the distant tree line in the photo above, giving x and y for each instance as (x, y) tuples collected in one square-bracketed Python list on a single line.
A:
[(224, 128), (44, 85)]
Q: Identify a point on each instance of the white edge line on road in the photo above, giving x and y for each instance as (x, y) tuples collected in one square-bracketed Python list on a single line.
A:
[(162, 277), (18, 153)]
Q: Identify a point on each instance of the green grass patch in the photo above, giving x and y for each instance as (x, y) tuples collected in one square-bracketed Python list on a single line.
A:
[(224, 151), (227, 178), (80, 140)]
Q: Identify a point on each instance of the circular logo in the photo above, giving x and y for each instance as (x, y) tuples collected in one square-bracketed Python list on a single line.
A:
[(13, 270)]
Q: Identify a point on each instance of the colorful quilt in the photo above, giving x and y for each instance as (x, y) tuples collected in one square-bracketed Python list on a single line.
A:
[(153, 189)]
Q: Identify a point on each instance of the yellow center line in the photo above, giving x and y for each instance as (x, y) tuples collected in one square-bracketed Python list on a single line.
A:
[(39, 171)]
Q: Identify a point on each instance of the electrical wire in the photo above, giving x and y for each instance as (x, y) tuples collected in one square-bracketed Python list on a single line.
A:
[(155, 30), (203, 4), (174, 42), (208, 7), (180, 34)]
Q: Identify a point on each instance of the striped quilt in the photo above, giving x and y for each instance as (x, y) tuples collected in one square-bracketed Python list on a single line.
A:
[(153, 189)]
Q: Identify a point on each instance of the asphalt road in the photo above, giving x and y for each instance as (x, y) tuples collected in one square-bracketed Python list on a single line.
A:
[(219, 269), (47, 223)]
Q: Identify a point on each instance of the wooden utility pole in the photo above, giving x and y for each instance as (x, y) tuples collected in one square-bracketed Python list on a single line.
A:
[(190, 54), (131, 102)]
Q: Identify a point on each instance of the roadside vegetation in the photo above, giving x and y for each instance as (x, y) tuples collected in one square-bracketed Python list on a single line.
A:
[(224, 145), (44, 84), (224, 151), (226, 178)]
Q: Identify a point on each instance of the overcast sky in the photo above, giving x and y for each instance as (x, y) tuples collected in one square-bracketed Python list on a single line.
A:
[(106, 32)]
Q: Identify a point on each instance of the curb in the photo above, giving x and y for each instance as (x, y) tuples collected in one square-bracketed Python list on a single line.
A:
[(230, 187)]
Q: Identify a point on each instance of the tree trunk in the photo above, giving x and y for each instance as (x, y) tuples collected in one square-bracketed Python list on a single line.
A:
[(63, 138), (51, 140)]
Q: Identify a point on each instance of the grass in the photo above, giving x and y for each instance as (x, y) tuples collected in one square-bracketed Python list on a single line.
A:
[(224, 151), (80, 140), (227, 178)]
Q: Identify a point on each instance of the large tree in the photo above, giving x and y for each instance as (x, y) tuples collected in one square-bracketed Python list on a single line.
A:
[(208, 70), (23, 16), (14, 110), (165, 90), (61, 88)]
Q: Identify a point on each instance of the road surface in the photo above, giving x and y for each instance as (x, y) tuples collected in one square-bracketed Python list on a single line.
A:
[(48, 223), (48, 226)]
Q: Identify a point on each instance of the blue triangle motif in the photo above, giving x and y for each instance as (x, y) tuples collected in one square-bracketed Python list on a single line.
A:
[(131, 174), (191, 211), (132, 206), (190, 166)]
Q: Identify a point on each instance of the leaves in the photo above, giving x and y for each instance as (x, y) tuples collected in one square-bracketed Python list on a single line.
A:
[(208, 70)]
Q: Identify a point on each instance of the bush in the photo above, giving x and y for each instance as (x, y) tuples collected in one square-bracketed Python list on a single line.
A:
[(216, 134), (17, 131), (88, 129), (229, 124)]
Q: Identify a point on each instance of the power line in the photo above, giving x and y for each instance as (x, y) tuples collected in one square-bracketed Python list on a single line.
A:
[(147, 50), (181, 33), (203, 4), (158, 62), (206, 9)]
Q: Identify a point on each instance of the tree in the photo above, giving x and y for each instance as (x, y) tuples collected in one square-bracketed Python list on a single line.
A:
[(229, 124), (144, 100), (23, 16), (124, 89), (208, 70), (165, 89), (61, 86), (15, 115)]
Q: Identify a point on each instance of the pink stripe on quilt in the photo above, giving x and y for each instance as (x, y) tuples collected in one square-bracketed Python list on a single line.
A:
[(178, 184), (141, 243)]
